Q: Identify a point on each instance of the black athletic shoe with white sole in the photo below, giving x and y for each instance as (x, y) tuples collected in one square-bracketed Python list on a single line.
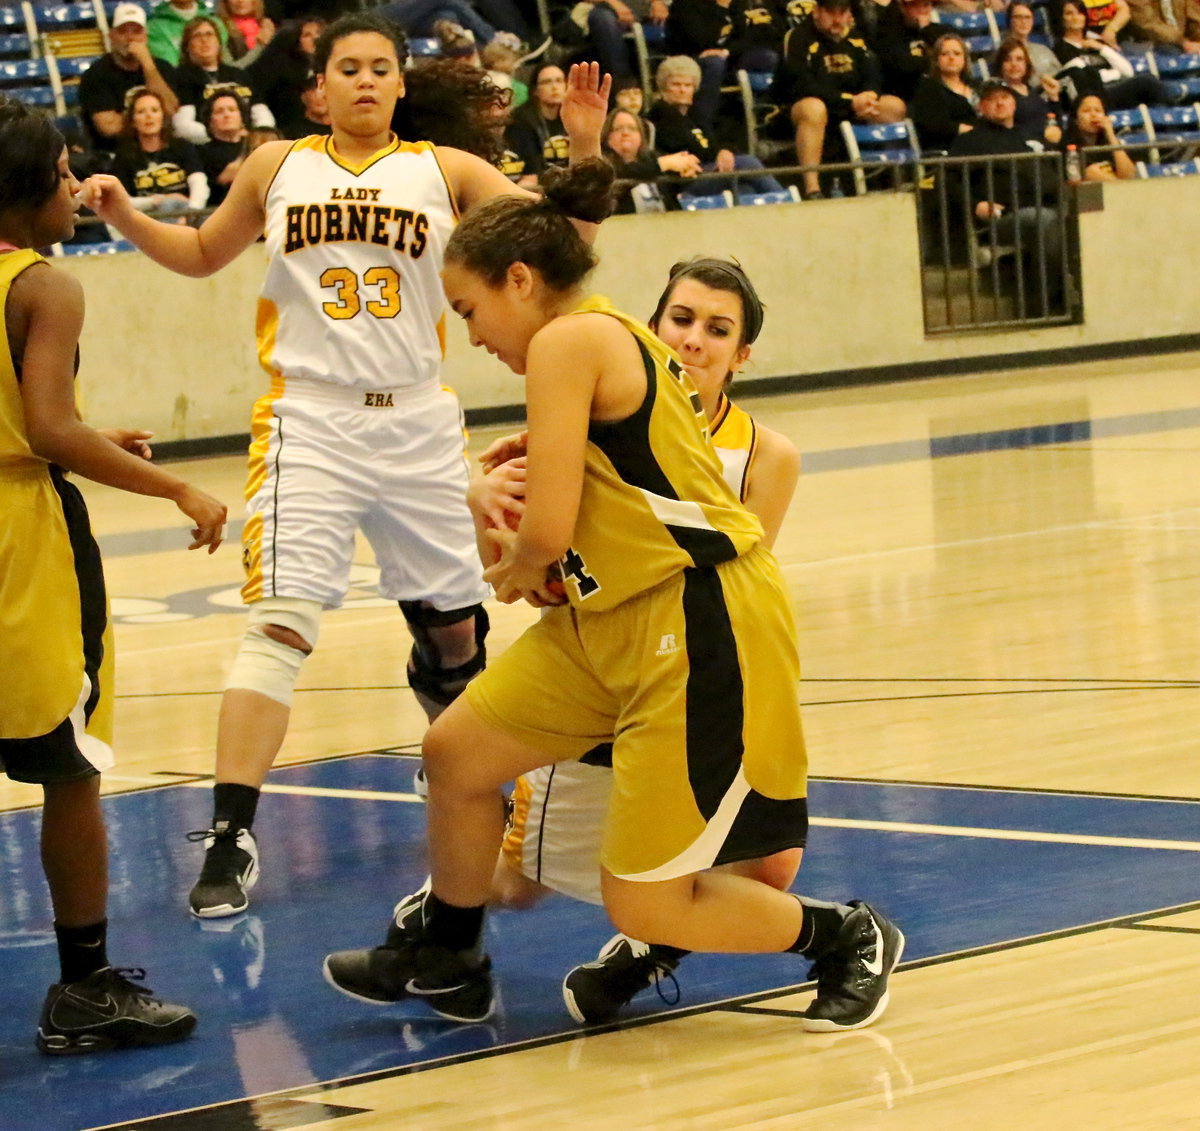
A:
[(409, 967), (597, 991), (230, 871), (852, 977), (107, 1010)]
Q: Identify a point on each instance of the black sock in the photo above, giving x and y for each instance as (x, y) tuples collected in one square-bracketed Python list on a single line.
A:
[(82, 950), (455, 928), (821, 926), (234, 805)]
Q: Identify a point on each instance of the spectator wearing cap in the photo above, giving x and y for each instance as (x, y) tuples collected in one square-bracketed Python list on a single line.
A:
[(904, 39), (944, 104), (167, 23), (129, 63), (1014, 196), (828, 76), (200, 73), (314, 113)]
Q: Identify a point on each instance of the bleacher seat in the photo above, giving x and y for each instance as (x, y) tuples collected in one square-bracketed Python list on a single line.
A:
[(34, 81), (1184, 88), (1175, 66), (789, 195), (754, 87), (424, 46), (108, 247), (892, 144), (14, 46), (1146, 169), (690, 203), (1132, 127)]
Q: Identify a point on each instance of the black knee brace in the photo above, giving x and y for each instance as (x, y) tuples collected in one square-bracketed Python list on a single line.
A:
[(426, 676)]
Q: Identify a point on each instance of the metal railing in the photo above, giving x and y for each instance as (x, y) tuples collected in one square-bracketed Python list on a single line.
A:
[(997, 241)]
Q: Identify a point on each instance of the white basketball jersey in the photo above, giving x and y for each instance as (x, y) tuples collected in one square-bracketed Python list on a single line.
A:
[(353, 293)]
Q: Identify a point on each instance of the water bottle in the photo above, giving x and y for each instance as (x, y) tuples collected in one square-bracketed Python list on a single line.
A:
[(1074, 166)]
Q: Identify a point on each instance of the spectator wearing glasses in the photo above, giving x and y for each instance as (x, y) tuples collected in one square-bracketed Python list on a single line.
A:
[(537, 134), (201, 72)]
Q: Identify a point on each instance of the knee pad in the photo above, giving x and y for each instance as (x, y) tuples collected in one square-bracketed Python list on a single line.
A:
[(269, 666), (426, 676)]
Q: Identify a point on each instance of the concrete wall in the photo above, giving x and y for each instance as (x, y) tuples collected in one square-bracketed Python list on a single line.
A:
[(840, 280)]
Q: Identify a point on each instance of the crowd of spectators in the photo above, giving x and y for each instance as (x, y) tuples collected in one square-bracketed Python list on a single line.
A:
[(186, 90)]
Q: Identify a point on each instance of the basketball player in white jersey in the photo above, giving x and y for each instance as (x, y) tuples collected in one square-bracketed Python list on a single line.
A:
[(355, 432), (710, 314)]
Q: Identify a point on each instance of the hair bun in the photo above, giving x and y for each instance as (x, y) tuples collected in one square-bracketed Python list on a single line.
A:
[(583, 191)]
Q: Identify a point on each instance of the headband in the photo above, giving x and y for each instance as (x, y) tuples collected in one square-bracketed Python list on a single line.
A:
[(752, 306)]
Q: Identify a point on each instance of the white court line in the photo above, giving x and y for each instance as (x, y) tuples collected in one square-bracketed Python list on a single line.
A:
[(827, 822)]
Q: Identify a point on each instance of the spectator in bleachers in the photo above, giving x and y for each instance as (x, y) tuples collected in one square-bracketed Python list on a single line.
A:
[(500, 60), (1105, 19), (904, 37), (128, 64), (482, 18), (945, 102), (675, 130), (281, 71), (166, 25), (161, 172), (828, 76), (623, 140), (600, 26), (628, 95), (1021, 26), (200, 73), (1038, 109), (225, 117), (248, 29), (723, 36), (1093, 66), (314, 113), (537, 134), (1013, 195), (1091, 126), (1165, 25)]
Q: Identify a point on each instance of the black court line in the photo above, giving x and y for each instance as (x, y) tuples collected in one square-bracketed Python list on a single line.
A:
[(208, 1118), (1160, 927)]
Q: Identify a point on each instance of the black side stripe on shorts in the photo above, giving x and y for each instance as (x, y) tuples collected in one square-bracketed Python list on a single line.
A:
[(89, 573), (715, 709), (627, 445)]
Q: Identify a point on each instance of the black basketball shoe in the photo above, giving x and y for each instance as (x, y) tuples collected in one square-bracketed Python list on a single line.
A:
[(597, 991), (852, 977), (454, 985), (106, 1010), (230, 871)]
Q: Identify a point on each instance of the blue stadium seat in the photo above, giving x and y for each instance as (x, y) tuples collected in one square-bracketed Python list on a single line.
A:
[(789, 195), (423, 46), (1176, 66), (894, 144), (1146, 169), (690, 203), (1141, 64), (109, 247), (14, 46), (1186, 88), (1132, 126), (34, 81)]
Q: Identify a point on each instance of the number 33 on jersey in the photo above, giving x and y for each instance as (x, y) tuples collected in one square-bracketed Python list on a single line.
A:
[(362, 244)]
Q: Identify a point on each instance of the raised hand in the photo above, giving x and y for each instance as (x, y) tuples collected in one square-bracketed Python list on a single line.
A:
[(585, 107)]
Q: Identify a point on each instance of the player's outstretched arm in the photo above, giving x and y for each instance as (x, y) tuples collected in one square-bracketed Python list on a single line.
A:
[(48, 308), (195, 252), (584, 108)]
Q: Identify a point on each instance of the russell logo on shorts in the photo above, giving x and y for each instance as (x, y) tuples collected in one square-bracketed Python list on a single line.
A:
[(667, 645)]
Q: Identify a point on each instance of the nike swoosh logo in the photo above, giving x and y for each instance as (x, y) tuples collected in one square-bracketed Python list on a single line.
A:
[(876, 966), (106, 1008), (412, 987)]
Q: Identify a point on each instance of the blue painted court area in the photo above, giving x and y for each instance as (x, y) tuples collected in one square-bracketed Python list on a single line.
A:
[(333, 864)]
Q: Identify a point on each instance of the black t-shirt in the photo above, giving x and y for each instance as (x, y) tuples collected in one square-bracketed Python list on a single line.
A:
[(164, 171), (215, 156), (104, 86), (194, 85), (675, 132), (536, 140)]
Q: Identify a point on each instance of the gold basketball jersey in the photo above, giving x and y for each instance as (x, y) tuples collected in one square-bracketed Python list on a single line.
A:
[(735, 436), (14, 445), (654, 500), (353, 293)]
